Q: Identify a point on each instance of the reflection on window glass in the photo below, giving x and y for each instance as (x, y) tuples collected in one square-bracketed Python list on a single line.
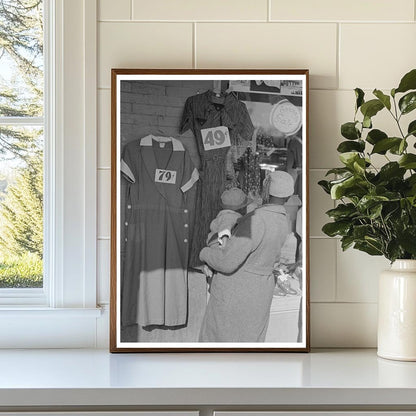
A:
[(21, 145)]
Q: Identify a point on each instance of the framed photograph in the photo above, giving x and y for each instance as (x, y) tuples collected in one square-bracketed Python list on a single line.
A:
[(209, 210)]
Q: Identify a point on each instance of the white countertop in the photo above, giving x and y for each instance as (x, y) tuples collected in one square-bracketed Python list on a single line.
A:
[(96, 377)]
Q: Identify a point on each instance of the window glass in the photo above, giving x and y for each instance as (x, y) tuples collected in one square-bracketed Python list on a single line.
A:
[(21, 143), (21, 58)]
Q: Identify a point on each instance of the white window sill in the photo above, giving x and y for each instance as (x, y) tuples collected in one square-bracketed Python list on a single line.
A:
[(40, 327), (331, 379), (39, 311)]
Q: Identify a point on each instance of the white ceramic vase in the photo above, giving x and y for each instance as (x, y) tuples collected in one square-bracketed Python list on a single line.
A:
[(397, 312)]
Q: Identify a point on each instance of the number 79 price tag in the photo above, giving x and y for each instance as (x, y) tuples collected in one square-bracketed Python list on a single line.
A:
[(215, 138), (165, 176)]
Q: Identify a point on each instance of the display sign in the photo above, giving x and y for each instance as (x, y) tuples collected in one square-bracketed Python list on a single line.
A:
[(165, 176), (215, 138)]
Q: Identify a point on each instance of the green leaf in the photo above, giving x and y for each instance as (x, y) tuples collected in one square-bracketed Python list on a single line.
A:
[(333, 229), (375, 212), (374, 242), (412, 201), (342, 179), (325, 186), (408, 102), (413, 210), (398, 149), (348, 158), (391, 212), (383, 145), (349, 146), (352, 184), (408, 161), (368, 248), (411, 183), (361, 231), (342, 211), (349, 131), (338, 171), (385, 99), (375, 136), (371, 108), (393, 250), (346, 242), (407, 240), (402, 147), (391, 170), (359, 95), (411, 130), (369, 201), (337, 189), (359, 165), (408, 82), (367, 122)]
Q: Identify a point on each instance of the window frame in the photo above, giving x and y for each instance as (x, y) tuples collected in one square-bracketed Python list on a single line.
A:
[(70, 207)]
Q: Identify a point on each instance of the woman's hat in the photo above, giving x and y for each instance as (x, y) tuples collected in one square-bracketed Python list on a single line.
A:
[(282, 184), (234, 199)]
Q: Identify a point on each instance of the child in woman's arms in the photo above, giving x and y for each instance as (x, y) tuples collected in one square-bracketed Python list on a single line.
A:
[(234, 202)]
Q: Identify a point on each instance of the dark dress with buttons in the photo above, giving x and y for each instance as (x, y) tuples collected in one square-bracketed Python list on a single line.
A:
[(161, 179), (202, 112)]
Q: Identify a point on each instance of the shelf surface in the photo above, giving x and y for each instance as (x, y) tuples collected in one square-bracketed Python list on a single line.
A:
[(96, 377)]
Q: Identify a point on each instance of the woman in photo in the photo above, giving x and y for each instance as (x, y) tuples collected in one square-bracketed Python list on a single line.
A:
[(242, 289)]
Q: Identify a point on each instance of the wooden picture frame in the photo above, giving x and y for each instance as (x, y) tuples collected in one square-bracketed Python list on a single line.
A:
[(214, 158)]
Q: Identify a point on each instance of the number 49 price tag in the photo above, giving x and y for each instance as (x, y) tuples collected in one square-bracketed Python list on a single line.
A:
[(165, 176), (215, 138)]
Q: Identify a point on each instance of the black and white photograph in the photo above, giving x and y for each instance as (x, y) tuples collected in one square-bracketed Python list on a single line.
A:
[(209, 241)]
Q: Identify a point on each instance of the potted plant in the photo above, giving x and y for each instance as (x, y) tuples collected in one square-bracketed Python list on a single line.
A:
[(376, 207)]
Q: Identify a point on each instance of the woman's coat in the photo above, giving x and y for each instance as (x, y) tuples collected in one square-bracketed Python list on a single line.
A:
[(242, 289)]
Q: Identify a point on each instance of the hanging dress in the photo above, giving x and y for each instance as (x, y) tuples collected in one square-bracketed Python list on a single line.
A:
[(221, 130), (161, 179)]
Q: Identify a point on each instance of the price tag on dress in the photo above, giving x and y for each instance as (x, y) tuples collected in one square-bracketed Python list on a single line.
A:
[(215, 138), (165, 176)]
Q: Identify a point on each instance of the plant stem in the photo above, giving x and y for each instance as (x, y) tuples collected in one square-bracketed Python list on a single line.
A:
[(397, 118)]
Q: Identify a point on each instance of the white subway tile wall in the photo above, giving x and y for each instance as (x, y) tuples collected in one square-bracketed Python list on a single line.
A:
[(104, 202), (142, 45), (352, 10), (323, 269), (357, 275), (104, 128), (343, 325), (375, 54), (200, 10), (114, 10), (345, 44), (103, 270), (270, 45)]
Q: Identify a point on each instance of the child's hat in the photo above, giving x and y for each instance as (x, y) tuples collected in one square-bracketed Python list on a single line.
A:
[(234, 199), (282, 184)]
